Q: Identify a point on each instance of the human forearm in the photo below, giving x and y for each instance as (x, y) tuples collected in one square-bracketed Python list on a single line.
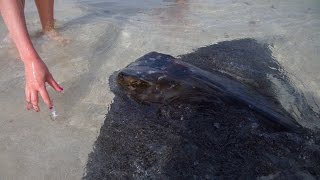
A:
[(12, 13), (36, 71)]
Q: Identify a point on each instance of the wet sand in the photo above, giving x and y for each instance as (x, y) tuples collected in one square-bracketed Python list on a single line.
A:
[(105, 37)]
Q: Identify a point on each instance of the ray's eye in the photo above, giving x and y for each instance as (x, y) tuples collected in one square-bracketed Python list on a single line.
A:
[(138, 84), (132, 83)]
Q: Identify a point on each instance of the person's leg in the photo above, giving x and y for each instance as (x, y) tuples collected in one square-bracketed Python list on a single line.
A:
[(46, 14), (23, 3), (45, 10)]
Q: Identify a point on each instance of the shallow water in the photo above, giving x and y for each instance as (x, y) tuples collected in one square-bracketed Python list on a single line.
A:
[(105, 37)]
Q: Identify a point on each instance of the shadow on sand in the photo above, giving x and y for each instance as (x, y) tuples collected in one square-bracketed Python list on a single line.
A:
[(206, 139)]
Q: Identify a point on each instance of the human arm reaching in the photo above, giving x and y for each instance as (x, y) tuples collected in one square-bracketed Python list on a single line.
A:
[(36, 71)]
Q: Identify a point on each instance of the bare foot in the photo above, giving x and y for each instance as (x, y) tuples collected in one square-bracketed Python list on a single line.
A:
[(56, 36)]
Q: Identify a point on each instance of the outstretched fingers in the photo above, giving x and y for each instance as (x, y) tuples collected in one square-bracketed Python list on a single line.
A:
[(35, 100), (54, 84), (32, 97), (28, 99), (46, 98)]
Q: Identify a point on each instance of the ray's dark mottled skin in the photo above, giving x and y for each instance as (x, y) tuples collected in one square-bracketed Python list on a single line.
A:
[(218, 122), (160, 78)]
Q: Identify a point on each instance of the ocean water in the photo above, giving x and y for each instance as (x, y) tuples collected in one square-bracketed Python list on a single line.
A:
[(107, 35)]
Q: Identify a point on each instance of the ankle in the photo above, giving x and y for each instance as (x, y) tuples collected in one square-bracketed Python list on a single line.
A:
[(48, 27)]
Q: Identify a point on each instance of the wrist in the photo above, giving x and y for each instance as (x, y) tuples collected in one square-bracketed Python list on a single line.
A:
[(27, 53), (27, 59)]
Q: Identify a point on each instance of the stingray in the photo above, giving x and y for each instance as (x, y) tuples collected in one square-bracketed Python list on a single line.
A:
[(210, 114), (162, 79)]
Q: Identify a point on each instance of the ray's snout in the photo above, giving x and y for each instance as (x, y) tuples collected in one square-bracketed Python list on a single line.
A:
[(132, 83)]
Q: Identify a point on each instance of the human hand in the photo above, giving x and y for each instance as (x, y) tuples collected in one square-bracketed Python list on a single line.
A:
[(36, 76)]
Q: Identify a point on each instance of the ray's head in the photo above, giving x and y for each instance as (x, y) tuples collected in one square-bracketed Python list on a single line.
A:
[(153, 78), (148, 87)]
